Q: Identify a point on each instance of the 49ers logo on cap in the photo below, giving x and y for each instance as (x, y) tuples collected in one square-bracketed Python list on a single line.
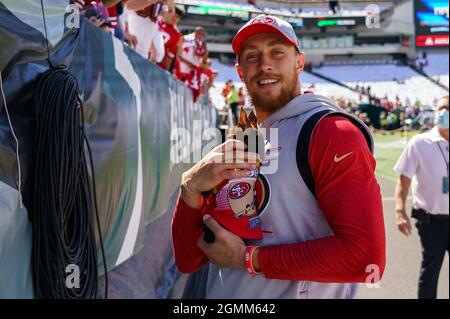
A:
[(265, 20), (239, 190)]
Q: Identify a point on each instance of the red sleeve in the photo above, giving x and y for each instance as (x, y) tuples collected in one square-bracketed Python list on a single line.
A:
[(112, 15), (349, 197), (186, 231), (191, 77), (175, 39)]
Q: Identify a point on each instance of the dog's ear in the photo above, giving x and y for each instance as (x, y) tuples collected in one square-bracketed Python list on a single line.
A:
[(252, 119), (243, 120)]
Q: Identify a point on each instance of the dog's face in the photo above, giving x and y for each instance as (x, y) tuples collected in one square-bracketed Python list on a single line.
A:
[(241, 193)]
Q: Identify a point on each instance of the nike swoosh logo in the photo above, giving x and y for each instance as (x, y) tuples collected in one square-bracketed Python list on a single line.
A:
[(338, 159)]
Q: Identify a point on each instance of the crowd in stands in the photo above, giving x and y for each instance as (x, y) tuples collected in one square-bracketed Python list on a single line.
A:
[(393, 114), (421, 61), (396, 104), (234, 97), (150, 28)]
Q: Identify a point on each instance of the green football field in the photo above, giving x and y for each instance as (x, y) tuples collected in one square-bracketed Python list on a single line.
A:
[(388, 148)]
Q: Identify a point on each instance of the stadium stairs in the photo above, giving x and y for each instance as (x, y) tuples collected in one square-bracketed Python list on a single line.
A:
[(326, 78), (422, 73)]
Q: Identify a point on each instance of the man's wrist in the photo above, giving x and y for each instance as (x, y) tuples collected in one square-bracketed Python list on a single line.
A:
[(251, 260), (190, 196)]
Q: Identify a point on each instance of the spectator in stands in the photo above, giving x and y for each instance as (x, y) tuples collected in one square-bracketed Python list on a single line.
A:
[(233, 102), (107, 9), (128, 37), (376, 102), (363, 90), (107, 27), (194, 49), (114, 11), (435, 101), (384, 121), (425, 161), (172, 36), (79, 4), (408, 102), (94, 16), (424, 58), (365, 118), (398, 103), (241, 95), (226, 89), (199, 78), (211, 73), (214, 74), (119, 22), (417, 103), (142, 22), (421, 61), (308, 67), (334, 6), (392, 120)]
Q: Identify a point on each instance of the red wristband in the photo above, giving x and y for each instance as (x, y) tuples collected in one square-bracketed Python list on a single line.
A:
[(249, 258)]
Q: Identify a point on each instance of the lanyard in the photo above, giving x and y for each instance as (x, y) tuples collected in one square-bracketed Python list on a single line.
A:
[(443, 156)]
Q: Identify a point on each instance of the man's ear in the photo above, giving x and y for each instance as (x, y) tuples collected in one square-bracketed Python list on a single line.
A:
[(300, 62), (239, 71)]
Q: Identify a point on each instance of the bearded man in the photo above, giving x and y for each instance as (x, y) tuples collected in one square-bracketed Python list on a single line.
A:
[(321, 213)]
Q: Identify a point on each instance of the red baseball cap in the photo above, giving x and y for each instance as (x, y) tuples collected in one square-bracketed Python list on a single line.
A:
[(264, 24)]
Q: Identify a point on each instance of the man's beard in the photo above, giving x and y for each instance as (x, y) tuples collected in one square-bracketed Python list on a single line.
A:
[(287, 93)]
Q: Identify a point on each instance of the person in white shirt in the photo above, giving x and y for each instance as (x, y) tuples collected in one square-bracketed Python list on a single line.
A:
[(194, 50), (142, 23), (424, 162)]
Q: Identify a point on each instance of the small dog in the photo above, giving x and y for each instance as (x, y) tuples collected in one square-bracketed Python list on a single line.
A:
[(233, 202)]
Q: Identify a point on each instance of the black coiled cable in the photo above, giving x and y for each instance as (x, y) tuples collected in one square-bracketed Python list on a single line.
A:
[(63, 201)]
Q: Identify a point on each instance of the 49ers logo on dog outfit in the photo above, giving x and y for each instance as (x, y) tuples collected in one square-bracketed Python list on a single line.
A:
[(239, 190), (235, 198)]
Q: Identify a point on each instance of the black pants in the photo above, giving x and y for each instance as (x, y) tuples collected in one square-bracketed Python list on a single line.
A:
[(234, 110), (433, 232)]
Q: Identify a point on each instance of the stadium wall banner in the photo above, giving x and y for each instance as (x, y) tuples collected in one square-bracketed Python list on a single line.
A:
[(431, 23), (131, 107), (243, 15), (335, 22)]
